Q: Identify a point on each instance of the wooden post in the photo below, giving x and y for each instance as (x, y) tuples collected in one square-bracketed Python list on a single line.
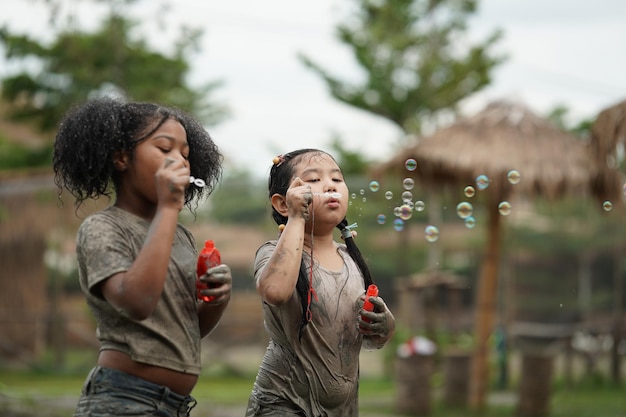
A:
[(485, 309)]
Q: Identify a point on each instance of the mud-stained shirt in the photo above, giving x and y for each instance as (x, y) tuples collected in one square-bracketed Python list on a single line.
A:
[(107, 243), (318, 374)]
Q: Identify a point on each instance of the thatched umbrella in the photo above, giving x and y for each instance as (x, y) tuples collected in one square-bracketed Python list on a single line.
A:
[(503, 137)]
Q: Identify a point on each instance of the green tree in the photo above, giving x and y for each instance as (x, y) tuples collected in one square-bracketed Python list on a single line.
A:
[(351, 162), (415, 57), (113, 59), (558, 115)]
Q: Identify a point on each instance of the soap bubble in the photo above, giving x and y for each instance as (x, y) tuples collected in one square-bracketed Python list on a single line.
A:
[(405, 212), (464, 209), (513, 176), (504, 208), (353, 196), (607, 206), (482, 182), (381, 219), (374, 186), (470, 222), (431, 233), (410, 164), (469, 191), (388, 195), (419, 205), (408, 183), (407, 196), (398, 225)]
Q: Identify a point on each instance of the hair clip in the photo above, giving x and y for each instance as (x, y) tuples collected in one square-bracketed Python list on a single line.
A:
[(346, 232), (278, 160)]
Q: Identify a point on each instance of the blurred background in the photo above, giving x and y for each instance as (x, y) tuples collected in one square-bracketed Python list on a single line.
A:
[(482, 141)]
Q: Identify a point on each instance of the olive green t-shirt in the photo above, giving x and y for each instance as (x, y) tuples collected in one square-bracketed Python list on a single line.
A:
[(316, 375), (107, 243)]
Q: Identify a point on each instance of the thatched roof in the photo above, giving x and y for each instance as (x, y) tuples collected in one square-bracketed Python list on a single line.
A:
[(609, 131), (503, 137)]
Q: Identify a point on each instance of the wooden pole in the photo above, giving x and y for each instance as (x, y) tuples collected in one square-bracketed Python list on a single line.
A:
[(485, 309)]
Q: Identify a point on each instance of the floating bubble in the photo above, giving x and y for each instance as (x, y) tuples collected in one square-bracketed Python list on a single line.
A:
[(408, 183), (381, 219), (419, 205), (431, 233), (482, 182), (398, 225), (469, 191), (388, 195), (405, 212), (374, 186), (364, 199), (470, 222), (353, 196), (607, 206), (407, 196), (464, 209), (513, 176), (410, 164), (396, 211), (504, 208), (362, 191)]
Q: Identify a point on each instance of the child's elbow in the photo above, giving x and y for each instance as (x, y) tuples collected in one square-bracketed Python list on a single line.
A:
[(137, 314), (272, 295)]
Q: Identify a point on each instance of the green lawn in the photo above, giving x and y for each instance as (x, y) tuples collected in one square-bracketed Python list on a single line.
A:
[(377, 396)]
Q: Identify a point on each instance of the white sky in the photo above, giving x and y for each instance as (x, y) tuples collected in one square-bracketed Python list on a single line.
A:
[(570, 52)]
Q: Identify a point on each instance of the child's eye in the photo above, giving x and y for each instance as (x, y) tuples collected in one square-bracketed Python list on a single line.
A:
[(164, 150), (313, 180)]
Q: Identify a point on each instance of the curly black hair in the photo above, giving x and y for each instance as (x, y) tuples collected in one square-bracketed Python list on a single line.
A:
[(91, 134), (280, 177)]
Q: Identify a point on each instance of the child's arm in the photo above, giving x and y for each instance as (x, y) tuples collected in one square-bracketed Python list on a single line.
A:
[(210, 313), (380, 327), (278, 278), (137, 291)]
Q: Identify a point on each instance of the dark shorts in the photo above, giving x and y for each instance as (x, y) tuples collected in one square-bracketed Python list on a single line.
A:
[(109, 392)]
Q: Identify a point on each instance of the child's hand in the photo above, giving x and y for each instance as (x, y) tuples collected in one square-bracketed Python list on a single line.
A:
[(171, 181), (381, 322), (299, 198), (220, 283)]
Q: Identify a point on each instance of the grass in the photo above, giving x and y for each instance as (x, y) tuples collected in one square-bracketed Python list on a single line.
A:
[(47, 391), (376, 395)]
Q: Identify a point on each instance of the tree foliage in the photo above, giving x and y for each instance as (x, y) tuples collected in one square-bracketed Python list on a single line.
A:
[(113, 59), (415, 57)]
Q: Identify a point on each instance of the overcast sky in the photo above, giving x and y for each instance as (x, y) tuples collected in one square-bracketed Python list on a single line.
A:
[(570, 52)]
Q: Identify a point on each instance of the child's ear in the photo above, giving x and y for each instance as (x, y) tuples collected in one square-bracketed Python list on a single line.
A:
[(279, 202), (120, 160)]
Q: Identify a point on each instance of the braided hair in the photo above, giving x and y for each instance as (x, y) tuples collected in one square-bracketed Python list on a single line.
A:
[(93, 133), (280, 177)]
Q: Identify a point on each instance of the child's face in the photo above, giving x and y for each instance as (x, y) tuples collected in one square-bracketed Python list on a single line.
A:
[(324, 176), (168, 141)]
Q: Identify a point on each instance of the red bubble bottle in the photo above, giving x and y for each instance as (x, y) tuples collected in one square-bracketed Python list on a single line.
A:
[(208, 258), (372, 291)]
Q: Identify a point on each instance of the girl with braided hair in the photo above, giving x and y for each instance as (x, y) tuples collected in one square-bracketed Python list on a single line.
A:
[(312, 289), (136, 263)]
